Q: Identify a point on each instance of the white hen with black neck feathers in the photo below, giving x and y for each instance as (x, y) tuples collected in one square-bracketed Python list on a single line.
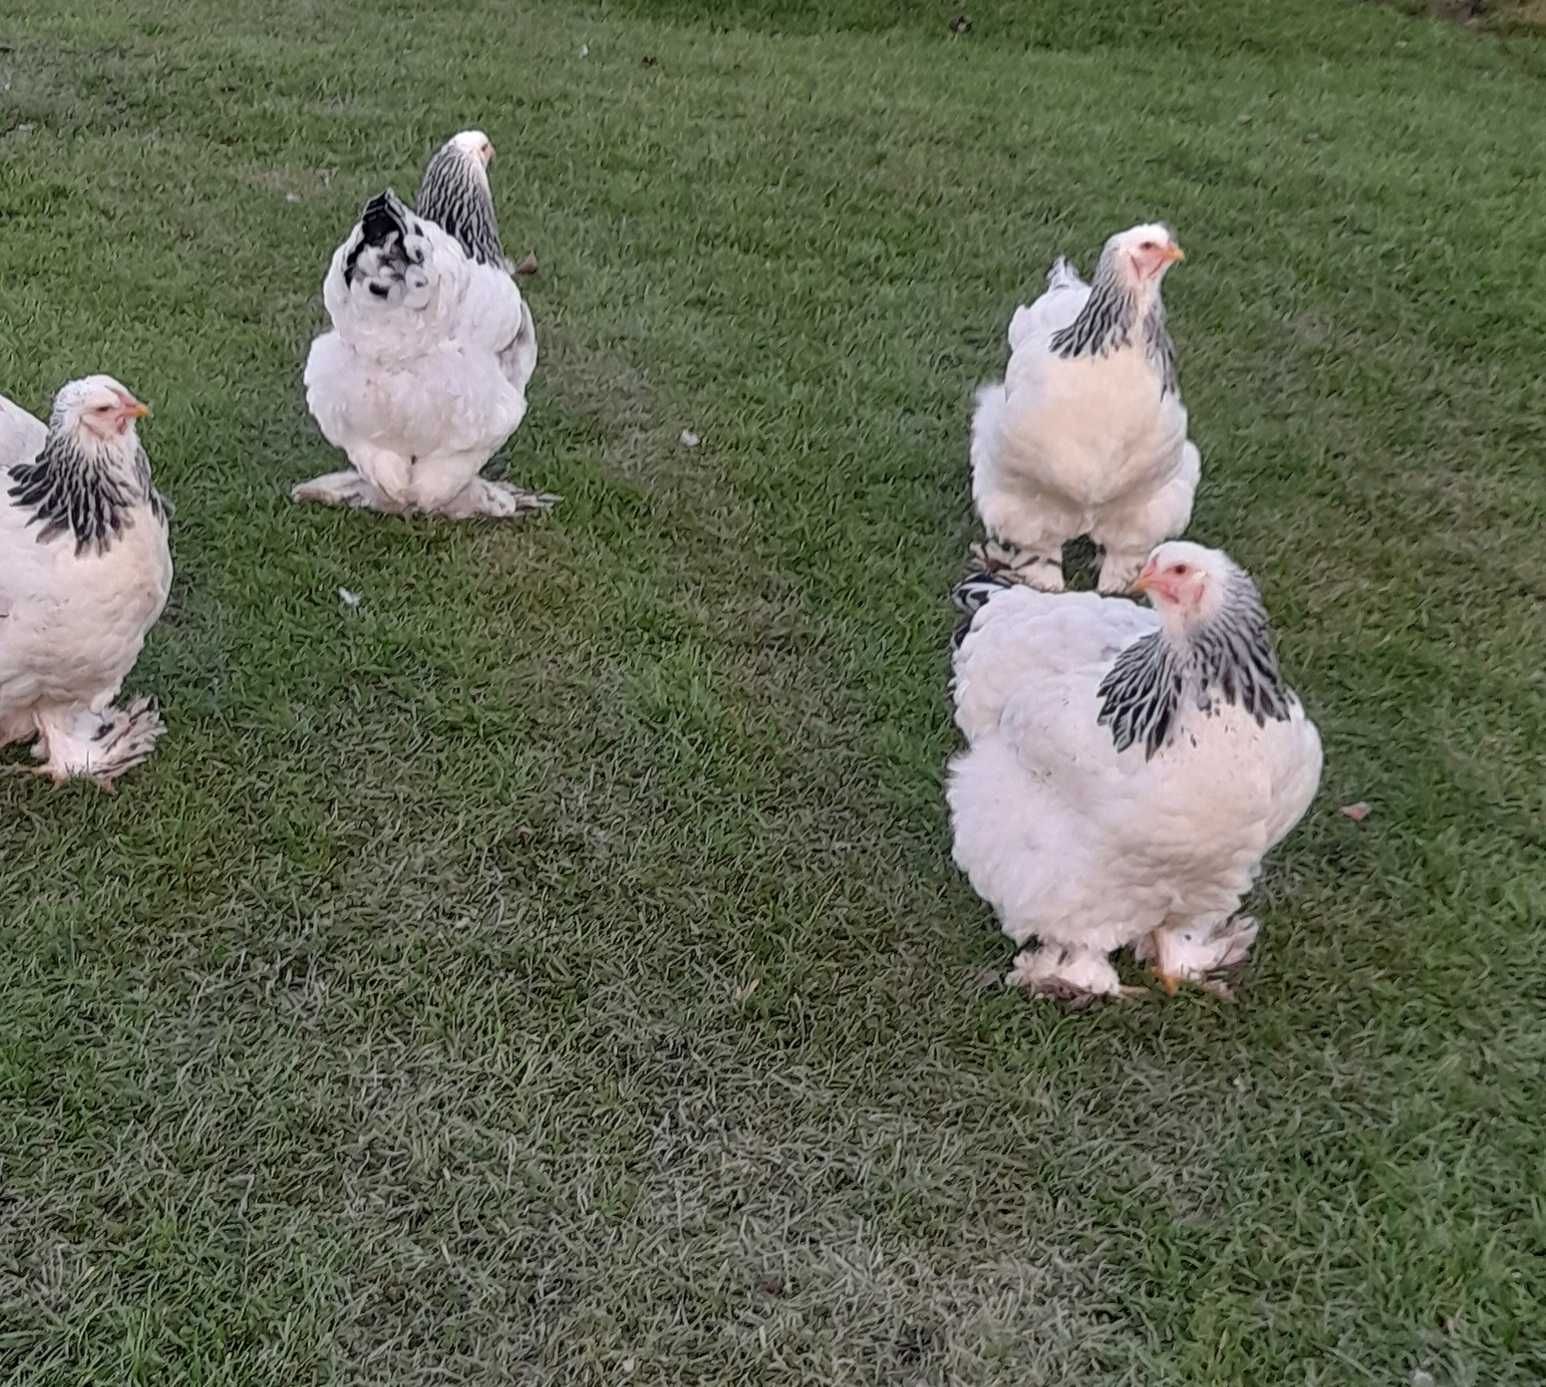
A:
[(1086, 434), (455, 194), (85, 568), (424, 375), (1127, 769)]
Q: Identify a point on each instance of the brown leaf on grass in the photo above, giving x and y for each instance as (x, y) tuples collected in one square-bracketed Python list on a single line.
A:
[(960, 25), (1356, 812), (528, 266)]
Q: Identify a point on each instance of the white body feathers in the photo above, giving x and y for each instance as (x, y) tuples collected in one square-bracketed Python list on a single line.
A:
[(1086, 847), (1068, 445), (21, 436), (73, 620), (422, 384)]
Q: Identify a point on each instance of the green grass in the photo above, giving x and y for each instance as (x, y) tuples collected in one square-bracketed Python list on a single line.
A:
[(553, 971)]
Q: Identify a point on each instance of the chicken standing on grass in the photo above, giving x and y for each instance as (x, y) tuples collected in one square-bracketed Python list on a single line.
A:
[(1086, 434), (1127, 769), (424, 375), (85, 569)]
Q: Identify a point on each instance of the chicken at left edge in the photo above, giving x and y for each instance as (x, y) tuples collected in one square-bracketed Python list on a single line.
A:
[(85, 568)]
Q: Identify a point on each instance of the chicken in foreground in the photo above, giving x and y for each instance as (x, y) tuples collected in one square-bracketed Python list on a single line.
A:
[(1086, 434), (1127, 769), (424, 375), (85, 569)]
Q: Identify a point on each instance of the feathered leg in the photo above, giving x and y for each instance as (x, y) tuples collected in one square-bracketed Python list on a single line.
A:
[(380, 480), (449, 485), (1043, 572), (1067, 974), (1119, 570), (346, 488), (500, 500), (80, 744), (1025, 540), (1025, 531), (1127, 533), (1198, 951)]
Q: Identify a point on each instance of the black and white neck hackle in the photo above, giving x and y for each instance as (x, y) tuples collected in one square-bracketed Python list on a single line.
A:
[(89, 493), (1228, 659), (1109, 318), (454, 194)]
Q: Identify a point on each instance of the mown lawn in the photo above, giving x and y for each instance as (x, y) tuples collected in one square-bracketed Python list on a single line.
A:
[(553, 970)]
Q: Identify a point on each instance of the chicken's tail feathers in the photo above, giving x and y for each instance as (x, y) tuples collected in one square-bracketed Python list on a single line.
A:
[(384, 214), (979, 587), (379, 237), (1063, 275), (388, 252)]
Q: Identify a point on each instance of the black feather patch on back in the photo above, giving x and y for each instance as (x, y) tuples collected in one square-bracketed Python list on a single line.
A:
[(383, 219)]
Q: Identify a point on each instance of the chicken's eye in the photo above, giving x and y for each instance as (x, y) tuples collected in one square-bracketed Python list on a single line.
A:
[(1179, 569), (1147, 245)]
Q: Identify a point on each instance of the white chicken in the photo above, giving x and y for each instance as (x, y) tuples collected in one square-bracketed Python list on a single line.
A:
[(424, 375), (1127, 769), (21, 436), (1086, 434), (85, 569)]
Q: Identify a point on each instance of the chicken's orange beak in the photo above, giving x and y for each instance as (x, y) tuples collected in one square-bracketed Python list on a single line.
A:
[(1173, 254), (131, 408), (1141, 583)]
